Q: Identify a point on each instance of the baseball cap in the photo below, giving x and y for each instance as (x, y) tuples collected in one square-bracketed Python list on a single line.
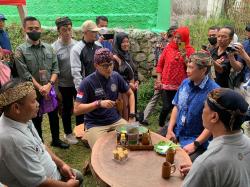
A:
[(2, 17), (89, 25)]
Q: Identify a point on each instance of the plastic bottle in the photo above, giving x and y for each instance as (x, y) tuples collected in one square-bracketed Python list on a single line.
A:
[(123, 139)]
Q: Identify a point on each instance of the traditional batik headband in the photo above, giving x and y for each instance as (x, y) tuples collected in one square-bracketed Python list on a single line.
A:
[(12, 95), (103, 55), (202, 59), (223, 100)]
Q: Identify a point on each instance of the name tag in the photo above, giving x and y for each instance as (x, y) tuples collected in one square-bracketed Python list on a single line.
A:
[(183, 120)]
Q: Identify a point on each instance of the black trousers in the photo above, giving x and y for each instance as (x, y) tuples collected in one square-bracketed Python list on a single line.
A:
[(167, 106), (68, 96), (53, 122)]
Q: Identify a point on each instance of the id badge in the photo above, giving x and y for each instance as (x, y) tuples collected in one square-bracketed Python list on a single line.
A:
[(43, 76), (183, 120)]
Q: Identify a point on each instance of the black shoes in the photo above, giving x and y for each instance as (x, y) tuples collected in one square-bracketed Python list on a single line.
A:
[(59, 143)]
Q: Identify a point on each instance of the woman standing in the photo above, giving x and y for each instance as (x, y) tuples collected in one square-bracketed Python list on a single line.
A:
[(126, 67), (171, 69)]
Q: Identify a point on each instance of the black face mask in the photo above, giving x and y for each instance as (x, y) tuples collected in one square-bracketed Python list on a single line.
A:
[(34, 35), (212, 40)]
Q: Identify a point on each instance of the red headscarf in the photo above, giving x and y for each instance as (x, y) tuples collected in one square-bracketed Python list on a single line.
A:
[(185, 37), (171, 64)]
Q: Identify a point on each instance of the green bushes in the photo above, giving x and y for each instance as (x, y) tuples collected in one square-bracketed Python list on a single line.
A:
[(145, 92)]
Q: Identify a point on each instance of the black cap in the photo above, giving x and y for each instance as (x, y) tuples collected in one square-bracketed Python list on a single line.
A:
[(230, 105)]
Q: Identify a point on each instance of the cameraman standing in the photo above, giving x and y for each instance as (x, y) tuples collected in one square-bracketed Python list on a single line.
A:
[(244, 58), (224, 56)]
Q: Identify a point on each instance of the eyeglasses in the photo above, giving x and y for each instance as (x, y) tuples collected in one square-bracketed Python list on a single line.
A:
[(107, 65)]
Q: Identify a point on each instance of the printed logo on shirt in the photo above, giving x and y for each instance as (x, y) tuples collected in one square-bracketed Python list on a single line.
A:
[(99, 92), (113, 87), (79, 95)]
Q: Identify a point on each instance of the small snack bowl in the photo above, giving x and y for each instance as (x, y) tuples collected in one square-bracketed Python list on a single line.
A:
[(120, 154)]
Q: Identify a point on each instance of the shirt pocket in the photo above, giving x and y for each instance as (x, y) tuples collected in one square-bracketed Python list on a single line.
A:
[(31, 62), (48, 61)]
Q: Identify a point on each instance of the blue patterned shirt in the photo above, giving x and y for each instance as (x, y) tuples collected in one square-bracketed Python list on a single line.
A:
[(246, 70), (4, 40), (189, 101)]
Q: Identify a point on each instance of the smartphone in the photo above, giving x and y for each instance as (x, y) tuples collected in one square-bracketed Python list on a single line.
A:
[(181, 45), (108, 36)]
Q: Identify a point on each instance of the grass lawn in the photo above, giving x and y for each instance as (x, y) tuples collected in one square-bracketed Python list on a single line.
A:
[(77, 154)]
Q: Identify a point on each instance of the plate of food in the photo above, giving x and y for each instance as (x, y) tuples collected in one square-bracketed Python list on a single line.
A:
[(162, 146)]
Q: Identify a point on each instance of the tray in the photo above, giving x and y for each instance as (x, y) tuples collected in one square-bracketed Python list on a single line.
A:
[(123, 129), (140, 146)]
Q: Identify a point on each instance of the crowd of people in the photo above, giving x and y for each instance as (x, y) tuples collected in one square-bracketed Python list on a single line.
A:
[(205, 94)]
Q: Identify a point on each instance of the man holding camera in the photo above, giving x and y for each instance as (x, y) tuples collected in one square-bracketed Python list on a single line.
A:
[(224, 56), (104, 38), (244, 85)]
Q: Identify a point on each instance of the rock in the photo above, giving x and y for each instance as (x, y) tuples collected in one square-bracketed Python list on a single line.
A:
[(151, 57), (135, 47), (140, 57), (141, 77)]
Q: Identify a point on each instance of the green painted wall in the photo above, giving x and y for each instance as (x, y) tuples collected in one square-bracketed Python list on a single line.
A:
[(141, 14)]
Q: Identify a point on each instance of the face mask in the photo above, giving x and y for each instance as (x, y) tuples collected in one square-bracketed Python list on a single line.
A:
[(34, 36), (212, 40)]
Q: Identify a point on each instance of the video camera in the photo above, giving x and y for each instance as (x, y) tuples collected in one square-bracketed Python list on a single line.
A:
[(231, 49)]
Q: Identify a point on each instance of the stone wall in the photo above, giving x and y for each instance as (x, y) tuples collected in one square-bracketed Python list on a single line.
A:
[(142, 47), (142, 44)]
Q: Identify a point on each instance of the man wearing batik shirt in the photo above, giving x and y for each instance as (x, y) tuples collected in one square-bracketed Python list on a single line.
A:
[(97, 98), (185, 122)]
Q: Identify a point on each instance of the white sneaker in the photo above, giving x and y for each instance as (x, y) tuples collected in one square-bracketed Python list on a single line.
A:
[(71, 138)]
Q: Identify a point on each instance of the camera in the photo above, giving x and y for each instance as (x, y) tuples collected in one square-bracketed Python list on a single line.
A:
[(204, 47), (247, 28), (108, 36), (231, 49)]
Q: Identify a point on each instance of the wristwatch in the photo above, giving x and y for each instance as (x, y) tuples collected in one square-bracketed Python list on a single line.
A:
[(131, 115), (197, 144)]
